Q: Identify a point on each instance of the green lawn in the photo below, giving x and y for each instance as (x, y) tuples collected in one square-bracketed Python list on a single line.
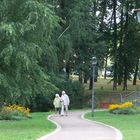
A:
[(30, 129), (129, 125)]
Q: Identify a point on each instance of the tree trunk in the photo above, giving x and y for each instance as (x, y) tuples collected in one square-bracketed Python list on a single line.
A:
[(67, 72), (103, 12), (115, 46), (95, 7), (62, 4), (85, 78), (125, 56), (120, 75), (136, 73), (80, 77), (120, 71), (125, 79), (105, 66)]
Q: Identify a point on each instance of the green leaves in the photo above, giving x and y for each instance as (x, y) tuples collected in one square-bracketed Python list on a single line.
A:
[(26, 29)]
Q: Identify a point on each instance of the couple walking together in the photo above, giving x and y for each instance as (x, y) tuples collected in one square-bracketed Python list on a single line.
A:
[(61, 103)]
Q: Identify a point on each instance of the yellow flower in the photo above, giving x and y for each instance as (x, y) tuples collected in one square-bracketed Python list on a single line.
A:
[(113, 106), (19, 108), (120, 106)]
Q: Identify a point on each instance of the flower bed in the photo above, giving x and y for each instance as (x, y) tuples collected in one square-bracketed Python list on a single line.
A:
[(125, 108), (14, 112)]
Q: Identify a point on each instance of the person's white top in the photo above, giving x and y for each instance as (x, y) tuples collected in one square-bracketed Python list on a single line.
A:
[(57, 102), (65, 99)]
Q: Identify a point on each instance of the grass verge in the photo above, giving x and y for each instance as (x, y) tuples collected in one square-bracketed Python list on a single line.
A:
[(30, 129), (127, 124)]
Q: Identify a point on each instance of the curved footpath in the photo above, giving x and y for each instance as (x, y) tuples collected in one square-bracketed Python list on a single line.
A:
[(75, 127)]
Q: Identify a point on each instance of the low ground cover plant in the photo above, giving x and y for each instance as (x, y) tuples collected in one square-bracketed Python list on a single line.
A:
[(125, 108), (14, 112)]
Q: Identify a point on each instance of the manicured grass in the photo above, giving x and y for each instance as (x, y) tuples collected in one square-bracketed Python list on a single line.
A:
[(30, 129), (128, 124)]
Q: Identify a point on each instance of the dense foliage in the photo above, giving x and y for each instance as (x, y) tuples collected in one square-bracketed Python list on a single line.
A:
[(42, 38), (26, 27), (74, 89)]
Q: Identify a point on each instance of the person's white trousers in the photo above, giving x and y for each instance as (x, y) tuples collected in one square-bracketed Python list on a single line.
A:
[(62, 110)]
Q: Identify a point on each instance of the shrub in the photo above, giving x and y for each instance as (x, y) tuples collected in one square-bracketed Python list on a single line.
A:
[(14, 112), (74, 89), (125, 108), (42, 103)]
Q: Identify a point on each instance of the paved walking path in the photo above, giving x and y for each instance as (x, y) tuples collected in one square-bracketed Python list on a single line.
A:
[(73, 127)]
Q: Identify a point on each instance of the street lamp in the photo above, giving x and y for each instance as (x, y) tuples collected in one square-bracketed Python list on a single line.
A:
[(94, 62)]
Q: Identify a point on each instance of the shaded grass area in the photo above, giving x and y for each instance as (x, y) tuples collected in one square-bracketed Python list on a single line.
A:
[(127, 124), (30, 129)]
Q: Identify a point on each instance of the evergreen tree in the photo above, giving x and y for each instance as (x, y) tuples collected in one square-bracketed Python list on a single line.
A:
[(26, 28)]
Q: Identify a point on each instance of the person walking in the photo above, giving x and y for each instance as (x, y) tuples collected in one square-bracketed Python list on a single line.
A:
[(57, 104), (65, 101)]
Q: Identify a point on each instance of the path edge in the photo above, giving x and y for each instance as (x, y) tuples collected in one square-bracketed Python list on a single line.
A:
[(119, 135), (58, 128)]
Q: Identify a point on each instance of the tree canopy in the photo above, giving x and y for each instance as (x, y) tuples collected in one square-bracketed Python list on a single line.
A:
[(41, 38), (26, 28)]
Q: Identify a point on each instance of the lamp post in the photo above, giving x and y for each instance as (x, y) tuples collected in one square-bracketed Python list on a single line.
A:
[(94, 62)]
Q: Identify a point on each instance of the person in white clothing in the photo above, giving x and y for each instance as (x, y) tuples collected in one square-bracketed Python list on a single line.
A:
[(57, 103), (65, 101)]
